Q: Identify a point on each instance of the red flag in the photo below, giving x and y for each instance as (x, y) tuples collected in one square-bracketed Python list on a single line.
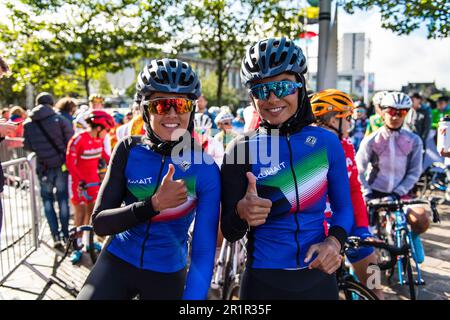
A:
[(308, 35)]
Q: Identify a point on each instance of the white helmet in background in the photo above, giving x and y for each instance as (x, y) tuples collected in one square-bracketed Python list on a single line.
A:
[(80, 119), (202, 121), (376, 100), (396, 100), (223, 115)]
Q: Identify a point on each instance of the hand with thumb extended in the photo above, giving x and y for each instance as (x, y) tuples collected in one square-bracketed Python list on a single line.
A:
[(170, 193), (251, 208)]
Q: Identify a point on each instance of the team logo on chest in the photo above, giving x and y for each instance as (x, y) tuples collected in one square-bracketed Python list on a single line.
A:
[(311, 141), (140, 181)]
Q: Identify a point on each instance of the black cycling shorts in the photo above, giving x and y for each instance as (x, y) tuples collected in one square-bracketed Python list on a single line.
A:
[(276, 284), (114, 279)]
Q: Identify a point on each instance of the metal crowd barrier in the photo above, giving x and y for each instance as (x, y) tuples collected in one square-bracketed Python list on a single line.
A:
[(20, 227)]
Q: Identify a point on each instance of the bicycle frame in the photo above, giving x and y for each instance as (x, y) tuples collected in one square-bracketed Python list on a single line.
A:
[(402, 225)]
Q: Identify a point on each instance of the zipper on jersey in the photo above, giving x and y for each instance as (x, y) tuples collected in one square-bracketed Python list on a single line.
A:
[(147, 233), (297, 199)]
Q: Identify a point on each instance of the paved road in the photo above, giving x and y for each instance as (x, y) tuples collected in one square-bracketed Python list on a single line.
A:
[(436, 271)]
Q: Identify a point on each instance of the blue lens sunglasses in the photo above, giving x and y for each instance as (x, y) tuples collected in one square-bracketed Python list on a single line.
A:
[(281, 89)]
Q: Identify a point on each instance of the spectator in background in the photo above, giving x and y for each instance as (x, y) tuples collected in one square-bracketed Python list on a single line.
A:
[(376, 120), (358, 124), (441, 110), (418, 119), (96, 101), (17, 116), (5, 113), (66, 107), (202, 107), (239, 122), (226, 133), (128, 117), (47, 134), (134, 127), (5, 129)]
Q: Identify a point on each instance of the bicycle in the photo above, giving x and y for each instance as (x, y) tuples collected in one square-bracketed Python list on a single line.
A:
[(71, 243), (350, 287), (229, 268), (434, 178), (390, 221)]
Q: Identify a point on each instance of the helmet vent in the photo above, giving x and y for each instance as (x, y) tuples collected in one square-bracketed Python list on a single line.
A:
[(263, 46), (160, 63), (165, 77), (173, 64), (293, 59)]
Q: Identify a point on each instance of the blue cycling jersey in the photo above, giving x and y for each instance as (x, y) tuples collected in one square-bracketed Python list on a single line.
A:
[(160, 244), (296, 172)]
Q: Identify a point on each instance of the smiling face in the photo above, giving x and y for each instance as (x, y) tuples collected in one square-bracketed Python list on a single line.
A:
[(277, 110), (171, 126)]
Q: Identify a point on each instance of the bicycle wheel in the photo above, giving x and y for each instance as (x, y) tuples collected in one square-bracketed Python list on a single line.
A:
[(408, 271), (353, 290), (232, 292)]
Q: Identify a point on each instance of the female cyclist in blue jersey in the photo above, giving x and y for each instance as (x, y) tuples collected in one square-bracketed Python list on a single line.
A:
[(154, 187), (275, 183)]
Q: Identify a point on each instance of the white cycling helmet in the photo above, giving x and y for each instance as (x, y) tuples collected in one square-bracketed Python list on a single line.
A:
[(376, 100), (223, 115), (396, 100), (80, 119), (202, 121)]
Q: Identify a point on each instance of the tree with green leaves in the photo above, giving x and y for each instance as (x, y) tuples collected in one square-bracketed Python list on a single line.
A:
[(405, 16), (65, 43), (221, 29)]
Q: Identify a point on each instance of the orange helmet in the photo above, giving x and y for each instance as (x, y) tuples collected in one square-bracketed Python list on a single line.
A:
[(331, 100)]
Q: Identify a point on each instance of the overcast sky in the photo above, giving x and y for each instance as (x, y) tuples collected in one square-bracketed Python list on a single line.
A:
[(397, 60)]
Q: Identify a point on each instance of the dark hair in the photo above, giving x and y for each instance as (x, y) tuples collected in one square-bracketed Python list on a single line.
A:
[(417, 96), (66, 104), (442, 99), (45, 98)]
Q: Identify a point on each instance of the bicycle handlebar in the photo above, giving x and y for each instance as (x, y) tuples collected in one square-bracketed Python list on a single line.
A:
[(376, 204), (394, 252)]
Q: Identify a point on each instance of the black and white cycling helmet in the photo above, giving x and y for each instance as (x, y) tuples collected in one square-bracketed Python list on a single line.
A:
[(168, 75), (202, 121), (271, 57), (396, 100), (223, 116)]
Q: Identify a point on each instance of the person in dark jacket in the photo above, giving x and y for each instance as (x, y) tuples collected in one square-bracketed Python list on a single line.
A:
[(418, 119), (50, 167)]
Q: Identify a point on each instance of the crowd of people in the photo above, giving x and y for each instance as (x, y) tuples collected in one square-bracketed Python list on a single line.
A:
[(137, 177)]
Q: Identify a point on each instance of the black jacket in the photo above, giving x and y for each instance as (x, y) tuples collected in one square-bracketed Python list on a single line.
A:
[(58, 128)]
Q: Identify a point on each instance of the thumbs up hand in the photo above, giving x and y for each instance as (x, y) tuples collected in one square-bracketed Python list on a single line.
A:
[(252, 208), (170, 193)]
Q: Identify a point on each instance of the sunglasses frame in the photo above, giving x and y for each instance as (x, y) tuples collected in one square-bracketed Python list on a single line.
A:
[(148, 102), (293, 89), (398, 112)]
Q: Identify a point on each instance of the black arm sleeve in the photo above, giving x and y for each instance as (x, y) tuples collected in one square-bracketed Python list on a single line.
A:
[(109, 217), (234, 186)]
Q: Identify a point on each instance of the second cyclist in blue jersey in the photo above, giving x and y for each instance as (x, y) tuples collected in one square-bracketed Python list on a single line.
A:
[(155, 186), (275, 183)]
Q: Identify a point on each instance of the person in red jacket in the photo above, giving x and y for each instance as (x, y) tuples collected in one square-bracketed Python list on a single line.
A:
[(333, 109), (84, 152)]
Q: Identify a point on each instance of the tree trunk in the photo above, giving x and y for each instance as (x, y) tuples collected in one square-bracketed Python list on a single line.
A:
[(86, 82)]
